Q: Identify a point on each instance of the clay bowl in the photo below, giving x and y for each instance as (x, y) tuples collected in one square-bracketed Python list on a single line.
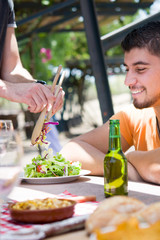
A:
[(42, 216)]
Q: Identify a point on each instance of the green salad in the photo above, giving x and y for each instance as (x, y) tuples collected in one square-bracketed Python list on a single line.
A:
[(48, 165)]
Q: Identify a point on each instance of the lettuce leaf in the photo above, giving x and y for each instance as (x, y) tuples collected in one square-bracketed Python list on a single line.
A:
[(48, 165)]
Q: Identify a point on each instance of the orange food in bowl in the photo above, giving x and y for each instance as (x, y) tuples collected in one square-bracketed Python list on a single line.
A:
[(42, 210)]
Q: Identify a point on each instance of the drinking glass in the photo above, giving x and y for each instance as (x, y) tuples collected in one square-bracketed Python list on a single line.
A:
[(10, 156), (6, 129), (6, 125)]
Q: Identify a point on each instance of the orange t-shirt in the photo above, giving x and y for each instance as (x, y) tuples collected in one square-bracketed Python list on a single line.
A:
[(139, 127)]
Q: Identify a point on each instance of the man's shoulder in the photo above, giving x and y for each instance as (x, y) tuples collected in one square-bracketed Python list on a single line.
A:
[(10, 4), (6, 3), (5, 7)]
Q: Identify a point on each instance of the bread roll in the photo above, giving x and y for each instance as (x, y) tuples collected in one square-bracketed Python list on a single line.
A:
[(113, 211), (149, 214)]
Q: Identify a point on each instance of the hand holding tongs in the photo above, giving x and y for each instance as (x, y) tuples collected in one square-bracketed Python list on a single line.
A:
[(39, 124)]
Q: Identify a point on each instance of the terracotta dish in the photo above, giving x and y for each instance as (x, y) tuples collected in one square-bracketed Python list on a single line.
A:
[(50, 214)]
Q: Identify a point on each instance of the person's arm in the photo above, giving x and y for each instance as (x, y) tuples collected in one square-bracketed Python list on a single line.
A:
[(12, 69), (90, 149), (18, 85), (133, 174), (147, 164)]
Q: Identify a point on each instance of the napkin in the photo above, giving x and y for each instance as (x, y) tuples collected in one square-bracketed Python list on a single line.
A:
[(11, 230)]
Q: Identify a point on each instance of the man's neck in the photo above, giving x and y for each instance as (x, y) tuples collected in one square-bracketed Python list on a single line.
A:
[(157, 112)]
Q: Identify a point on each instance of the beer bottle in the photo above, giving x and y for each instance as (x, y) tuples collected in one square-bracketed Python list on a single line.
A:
[(115, 164)]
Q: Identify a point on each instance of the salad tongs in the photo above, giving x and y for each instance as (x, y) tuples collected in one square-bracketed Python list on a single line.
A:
[(40, 122)]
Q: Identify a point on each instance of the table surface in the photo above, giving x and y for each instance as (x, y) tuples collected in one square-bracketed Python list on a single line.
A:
[(84, 185)]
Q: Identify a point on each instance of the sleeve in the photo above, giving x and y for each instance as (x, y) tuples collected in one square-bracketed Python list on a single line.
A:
[(125, 126), (11, 15)]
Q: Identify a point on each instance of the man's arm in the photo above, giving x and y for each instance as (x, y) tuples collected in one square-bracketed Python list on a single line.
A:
[(133, 175), (147, 164), (12, 69), (18, 85), (90, 149)]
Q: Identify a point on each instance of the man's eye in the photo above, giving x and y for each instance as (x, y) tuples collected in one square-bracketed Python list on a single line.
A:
[(141, 69)]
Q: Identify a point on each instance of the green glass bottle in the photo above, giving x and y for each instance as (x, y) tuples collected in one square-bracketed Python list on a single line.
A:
[(115, 164)]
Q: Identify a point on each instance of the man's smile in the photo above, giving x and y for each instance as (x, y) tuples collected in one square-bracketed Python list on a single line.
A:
[(136, 91)]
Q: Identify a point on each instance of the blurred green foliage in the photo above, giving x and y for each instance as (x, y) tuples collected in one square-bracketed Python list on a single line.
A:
[(64, 47)]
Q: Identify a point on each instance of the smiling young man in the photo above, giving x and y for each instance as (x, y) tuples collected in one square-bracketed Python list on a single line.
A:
[(140, 123)]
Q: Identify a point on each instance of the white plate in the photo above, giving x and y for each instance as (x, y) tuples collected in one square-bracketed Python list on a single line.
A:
[(49, 180)]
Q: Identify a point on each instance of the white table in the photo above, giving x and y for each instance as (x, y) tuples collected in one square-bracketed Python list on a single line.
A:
[(87, 185)]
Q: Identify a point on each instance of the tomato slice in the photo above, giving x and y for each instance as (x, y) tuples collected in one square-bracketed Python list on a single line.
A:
[(39, 168)]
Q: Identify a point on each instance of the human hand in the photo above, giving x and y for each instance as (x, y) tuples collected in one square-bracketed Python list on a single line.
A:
[(56, 102), (36, 96)]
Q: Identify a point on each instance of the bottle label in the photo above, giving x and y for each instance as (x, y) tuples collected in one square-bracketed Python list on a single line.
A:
[(117, 187)]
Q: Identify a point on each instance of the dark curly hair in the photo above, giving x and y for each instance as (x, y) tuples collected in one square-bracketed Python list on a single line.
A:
[(147, 36)]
